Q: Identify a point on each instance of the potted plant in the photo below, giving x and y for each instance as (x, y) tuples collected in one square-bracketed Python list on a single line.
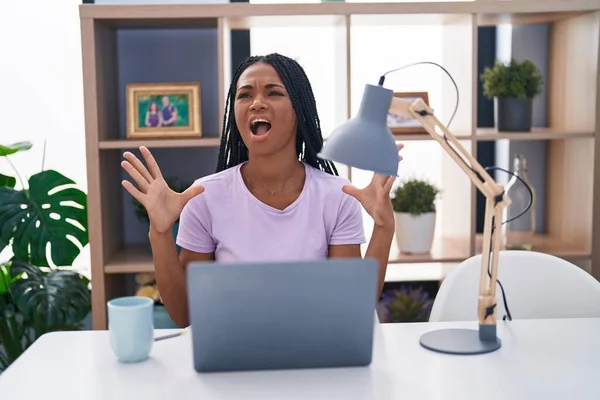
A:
[(414, 209), (175, 184), (406, 304), (39, 291), (512, 86)]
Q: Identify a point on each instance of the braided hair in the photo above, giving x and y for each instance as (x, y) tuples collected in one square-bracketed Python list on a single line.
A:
[(309, 140)]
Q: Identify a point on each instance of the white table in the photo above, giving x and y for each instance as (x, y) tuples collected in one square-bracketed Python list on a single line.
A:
[(539, 359)]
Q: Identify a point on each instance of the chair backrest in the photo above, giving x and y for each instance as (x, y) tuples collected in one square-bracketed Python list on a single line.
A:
[(537, 285)]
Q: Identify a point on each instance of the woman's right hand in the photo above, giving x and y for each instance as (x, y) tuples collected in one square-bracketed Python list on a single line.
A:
[(162, 204)]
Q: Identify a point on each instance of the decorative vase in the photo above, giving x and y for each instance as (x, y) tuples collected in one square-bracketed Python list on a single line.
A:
[(513, 115), (519, 231), (414, 233)]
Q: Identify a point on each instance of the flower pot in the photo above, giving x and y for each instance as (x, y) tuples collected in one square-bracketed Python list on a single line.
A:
[(513, 115), (414, 233)]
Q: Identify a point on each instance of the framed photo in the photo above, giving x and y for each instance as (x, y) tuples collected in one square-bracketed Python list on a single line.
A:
[(163, 110), (402, 125)]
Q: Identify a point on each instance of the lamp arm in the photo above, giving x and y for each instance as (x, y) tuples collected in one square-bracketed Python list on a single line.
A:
[(496, 202)]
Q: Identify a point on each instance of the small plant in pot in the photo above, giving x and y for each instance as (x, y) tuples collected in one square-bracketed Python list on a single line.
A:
[(415, 214), (512, 86), (405, 304)]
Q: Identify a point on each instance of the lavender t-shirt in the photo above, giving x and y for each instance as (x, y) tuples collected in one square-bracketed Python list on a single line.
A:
[(229, 220)]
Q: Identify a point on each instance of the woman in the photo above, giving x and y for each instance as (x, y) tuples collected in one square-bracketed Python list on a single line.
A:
[(153, 117), (271, 198)]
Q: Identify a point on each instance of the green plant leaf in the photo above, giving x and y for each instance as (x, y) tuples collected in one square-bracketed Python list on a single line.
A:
[(5, 279), (13, 148), (518, 80), (7, 181), (58, 298), (48, 212), (415, 196), (14, 334)]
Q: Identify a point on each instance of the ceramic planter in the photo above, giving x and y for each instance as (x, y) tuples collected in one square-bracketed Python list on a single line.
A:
[(414, 233), (513, 115)]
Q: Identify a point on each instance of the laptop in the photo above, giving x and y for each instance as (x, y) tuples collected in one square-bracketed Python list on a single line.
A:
[(282, 315)]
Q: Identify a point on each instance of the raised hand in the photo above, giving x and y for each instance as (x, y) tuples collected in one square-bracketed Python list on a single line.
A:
[(162, 204), (375, 198)]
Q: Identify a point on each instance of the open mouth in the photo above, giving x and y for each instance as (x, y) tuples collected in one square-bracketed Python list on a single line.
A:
[(260, 127)]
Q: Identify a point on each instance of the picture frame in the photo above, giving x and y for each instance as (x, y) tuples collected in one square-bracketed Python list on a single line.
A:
[(406, 126), (148, 105)]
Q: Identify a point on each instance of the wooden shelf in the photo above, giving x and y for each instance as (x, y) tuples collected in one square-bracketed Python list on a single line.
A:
[(549, 245), (488, 134), (158, 143), (450, 249), (425, 136), (571, 167), (499, 11), (130, 260), (442, 250), (419, 272)]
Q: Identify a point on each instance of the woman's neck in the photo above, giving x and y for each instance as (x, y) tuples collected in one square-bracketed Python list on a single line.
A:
[(273, 172)]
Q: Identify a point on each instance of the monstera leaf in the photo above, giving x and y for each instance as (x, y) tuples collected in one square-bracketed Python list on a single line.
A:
[(60, 299), (8, 181), (6, 150), (5, 278), (50, 211)]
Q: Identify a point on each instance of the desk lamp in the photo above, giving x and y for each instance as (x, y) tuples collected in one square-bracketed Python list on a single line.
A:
[(365, 142)]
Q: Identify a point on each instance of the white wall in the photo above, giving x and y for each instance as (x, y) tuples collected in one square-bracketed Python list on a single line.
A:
[(41, 89)]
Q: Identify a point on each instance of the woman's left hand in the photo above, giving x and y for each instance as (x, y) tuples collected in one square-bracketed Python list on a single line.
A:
[(375, 198)]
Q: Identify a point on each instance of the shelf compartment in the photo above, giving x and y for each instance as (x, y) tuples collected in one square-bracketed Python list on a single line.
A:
[(326, 65), (158, 143), (543, 243), (490, 134), (129, 57)]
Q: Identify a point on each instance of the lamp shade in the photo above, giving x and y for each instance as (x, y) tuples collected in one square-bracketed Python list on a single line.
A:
[(365, 141)]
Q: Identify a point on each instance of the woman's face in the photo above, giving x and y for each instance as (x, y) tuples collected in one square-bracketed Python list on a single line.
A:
[(153, 107), (263, 111)]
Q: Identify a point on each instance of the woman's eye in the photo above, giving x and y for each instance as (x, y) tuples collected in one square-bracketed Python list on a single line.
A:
[(275, 94), (243, 95)]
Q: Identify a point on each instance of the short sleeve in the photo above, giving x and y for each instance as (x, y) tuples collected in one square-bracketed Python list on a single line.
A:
[(348, 228), (194, 227)]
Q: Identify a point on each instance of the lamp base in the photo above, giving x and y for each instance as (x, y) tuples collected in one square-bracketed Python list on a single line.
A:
[(459, 341)]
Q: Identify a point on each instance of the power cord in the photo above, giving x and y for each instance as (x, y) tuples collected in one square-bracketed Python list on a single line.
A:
[(424, 112)]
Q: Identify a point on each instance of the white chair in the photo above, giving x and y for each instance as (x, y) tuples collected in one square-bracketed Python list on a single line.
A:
[(537, 285)]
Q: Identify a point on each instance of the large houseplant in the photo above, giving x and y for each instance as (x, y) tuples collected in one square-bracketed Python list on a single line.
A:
[(415, 214), (513, 86), (45, 224)]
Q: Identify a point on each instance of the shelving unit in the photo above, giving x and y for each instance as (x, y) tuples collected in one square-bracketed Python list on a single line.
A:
[(203, 38)]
